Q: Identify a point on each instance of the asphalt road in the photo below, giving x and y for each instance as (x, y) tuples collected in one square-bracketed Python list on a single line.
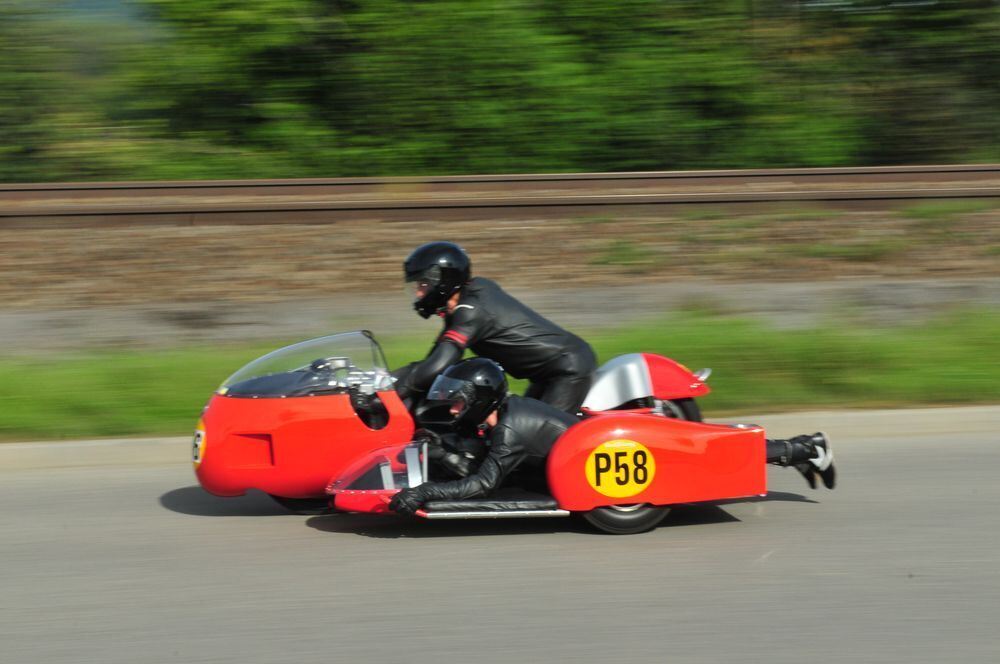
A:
[(136, 564)]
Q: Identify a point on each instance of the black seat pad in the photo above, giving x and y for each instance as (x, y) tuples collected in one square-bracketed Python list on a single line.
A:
[(510, 499)]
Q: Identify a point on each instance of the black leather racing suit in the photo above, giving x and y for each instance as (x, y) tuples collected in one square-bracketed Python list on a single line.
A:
[(560, 365), (525, 432)]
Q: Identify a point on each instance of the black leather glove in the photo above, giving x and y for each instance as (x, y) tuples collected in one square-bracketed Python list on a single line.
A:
[(457, 465), (407, 501), (427, 436), (441, 450)]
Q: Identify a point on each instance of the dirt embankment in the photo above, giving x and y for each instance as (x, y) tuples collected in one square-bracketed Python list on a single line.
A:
[(164, 286), (57, 269)]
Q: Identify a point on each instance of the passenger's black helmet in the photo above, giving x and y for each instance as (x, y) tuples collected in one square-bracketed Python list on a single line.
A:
[(443, 268), (472, 389)]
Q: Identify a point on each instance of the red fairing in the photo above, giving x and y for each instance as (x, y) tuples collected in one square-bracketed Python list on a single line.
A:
[(289, 446), (691, 462), (672, 380), (369, 501)]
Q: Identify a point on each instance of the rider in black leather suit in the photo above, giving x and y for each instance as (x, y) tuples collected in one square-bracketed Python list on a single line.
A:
[(518, 432), (481, 316)]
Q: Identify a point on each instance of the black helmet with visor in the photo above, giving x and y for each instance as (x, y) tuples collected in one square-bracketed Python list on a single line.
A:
[(472, 389), (437, 270)]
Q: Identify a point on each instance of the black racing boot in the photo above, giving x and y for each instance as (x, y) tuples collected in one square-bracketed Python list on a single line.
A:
[(810, 454)]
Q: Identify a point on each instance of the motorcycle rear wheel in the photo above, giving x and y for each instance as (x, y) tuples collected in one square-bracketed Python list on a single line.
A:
[(682, 409), (632, 519)]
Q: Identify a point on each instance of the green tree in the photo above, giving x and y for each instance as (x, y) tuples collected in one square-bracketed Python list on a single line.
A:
[(924, 79), (285, 88), (34, 88)]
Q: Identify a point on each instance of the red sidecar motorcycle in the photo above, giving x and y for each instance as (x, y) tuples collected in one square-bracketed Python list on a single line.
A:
[(320, 419)]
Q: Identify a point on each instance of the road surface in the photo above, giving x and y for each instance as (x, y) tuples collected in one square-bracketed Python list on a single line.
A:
[(130, 561)]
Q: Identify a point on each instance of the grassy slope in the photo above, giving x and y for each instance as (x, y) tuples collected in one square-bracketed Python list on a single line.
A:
[(951, 360)]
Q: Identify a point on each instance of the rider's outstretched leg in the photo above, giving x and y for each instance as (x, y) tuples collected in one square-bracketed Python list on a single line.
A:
[(811, 455)]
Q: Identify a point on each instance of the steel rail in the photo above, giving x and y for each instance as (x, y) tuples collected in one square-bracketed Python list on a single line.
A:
[(806, 173), (478, 197)]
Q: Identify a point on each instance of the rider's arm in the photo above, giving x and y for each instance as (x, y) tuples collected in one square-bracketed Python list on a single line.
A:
[(505, 455), (461, 331), (422, 374)]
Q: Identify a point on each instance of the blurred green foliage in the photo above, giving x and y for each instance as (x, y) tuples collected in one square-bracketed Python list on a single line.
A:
[(624, 253), (757, 369), (283, 88)]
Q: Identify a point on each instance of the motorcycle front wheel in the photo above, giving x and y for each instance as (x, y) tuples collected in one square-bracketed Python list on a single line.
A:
[(306, 506)]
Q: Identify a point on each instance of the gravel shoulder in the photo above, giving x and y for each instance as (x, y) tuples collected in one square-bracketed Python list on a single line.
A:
[(783, 305)]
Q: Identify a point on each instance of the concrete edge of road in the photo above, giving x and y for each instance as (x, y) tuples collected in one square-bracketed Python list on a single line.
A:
[(838, 424)]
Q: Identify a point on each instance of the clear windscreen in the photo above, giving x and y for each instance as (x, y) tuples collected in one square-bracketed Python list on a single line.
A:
[(388, 468), (332, 364)]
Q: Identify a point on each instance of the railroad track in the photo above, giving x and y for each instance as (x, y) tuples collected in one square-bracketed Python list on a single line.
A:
[(319, 201)]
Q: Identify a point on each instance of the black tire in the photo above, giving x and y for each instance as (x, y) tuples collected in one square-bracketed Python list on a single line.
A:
[(307, 506), (626, 520), (683, 409)]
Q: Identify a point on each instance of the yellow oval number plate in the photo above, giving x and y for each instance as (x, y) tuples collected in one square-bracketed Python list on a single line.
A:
[(620, 468), (198, 445)]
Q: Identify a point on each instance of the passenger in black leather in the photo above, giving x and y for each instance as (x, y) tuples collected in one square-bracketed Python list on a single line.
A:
[(481, 316), (518, 433)]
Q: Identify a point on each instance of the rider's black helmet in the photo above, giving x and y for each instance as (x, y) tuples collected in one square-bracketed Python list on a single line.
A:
[(443, 268), (472, 389)]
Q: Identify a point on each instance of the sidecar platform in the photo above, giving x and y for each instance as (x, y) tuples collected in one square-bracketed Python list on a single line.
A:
[(507, 503)]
